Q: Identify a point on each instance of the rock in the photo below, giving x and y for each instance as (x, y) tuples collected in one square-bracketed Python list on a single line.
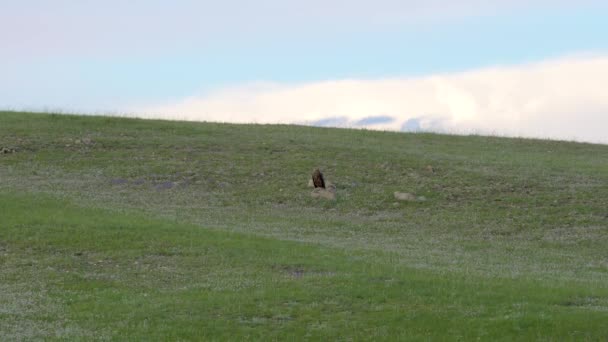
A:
[(310, 183), (7, 150), (82, 141), (404, 196), (324, 193)]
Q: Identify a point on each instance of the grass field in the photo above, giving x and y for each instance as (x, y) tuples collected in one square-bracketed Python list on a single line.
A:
[(125, 229)]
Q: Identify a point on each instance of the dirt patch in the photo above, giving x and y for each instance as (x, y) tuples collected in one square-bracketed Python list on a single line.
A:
[(165, 186), (297, 272), (328, 193), (138, 182), (119, 181)]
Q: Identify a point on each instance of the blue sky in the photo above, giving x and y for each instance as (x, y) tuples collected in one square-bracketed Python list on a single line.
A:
[(155, 56)]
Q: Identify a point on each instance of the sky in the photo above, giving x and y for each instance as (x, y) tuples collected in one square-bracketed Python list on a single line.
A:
[(533, 68)]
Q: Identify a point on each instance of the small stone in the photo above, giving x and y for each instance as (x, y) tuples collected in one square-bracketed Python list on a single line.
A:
[(404, 196), (323, 193), (7, 150)]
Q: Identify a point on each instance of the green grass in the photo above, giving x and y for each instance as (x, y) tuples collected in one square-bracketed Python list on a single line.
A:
[(129, 229)]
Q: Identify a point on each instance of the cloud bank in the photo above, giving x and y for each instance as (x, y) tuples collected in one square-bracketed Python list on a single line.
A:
[(564, 98)]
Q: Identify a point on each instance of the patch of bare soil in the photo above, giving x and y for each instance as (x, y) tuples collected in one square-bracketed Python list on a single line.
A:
[(328, 193), (119, 181), (165, 186)]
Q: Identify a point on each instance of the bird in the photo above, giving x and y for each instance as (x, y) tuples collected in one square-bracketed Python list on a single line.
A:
[(317, 179)]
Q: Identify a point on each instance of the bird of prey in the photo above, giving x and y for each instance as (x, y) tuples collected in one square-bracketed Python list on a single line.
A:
[(317, 179)]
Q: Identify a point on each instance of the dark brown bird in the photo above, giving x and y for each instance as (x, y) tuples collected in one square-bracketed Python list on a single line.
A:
[(317, 179)]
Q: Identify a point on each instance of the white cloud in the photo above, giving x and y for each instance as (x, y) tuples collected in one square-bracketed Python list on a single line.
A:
[(562, 98)]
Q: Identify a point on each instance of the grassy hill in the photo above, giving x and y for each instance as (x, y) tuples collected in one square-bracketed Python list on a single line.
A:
[(126, 229)]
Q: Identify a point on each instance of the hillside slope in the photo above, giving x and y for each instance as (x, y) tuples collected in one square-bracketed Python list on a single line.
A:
[(509, 241)]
